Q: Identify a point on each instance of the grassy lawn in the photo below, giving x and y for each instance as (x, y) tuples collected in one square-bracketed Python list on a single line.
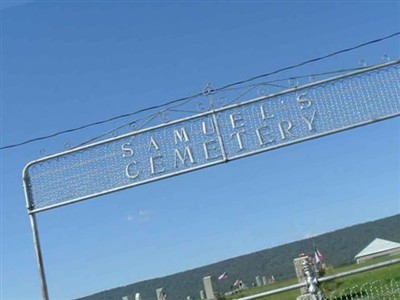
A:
[(384, 275)]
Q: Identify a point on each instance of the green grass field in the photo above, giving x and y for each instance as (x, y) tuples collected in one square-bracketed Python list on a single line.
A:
[(348, 284)]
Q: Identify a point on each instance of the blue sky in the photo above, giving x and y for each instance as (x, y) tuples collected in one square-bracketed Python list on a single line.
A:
[(65, 64)]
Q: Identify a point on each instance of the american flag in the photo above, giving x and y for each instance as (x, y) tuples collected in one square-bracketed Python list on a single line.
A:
[(318, 256)]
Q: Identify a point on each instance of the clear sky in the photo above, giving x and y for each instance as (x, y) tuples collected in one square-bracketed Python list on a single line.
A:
[(68, 63)]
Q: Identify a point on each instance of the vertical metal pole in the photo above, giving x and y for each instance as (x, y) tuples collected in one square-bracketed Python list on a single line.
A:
[(35, 233), (39, 258)]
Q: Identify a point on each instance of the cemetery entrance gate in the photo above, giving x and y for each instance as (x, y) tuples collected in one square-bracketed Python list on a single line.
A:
[(209, 138)]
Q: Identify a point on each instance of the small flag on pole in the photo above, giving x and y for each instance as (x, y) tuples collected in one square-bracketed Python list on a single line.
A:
[(223, 276), (318, 256)]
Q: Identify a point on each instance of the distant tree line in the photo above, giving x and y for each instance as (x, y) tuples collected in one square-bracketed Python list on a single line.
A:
[(338, 247)]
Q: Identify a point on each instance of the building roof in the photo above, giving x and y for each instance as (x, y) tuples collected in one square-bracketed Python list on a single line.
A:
[(376, 246)]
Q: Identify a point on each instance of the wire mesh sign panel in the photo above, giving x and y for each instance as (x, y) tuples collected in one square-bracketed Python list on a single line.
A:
[(215, 136)]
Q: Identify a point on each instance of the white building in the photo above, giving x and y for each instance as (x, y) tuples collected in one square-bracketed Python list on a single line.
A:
[(377, 248)]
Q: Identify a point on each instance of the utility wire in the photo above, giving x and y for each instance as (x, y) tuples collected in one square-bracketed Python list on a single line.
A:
[(201, 93), (148, 117), (310, 61), (273, 83), (97, 123), (249, 88)]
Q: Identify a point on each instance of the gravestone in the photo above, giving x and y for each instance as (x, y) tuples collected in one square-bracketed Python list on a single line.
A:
[(258, 281), (299, 271), (127, 298), (208, 287), (264, 280), (202, 295), (161, 295), (138, 297)]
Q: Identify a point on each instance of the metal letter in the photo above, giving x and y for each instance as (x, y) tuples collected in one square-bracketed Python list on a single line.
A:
[(261, 136), (221, 141), (239, 139), (183, 158), (304, 103), (210, 145), (128, 173), (153, 143), (154, 164), (128, 152), (235, 121), (181, 135), (204, 126), (264, 113), (309, 122), (286, 130)]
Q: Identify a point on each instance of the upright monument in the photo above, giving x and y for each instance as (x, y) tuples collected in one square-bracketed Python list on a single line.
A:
[(208, 287)]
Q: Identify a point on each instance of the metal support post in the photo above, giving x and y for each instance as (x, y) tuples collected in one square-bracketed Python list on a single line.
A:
[(311, 280), (39, 258)]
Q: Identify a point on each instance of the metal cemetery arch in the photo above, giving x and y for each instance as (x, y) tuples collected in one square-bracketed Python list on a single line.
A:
[(213, 137)]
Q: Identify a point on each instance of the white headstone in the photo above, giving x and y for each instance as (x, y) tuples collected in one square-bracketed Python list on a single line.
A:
[(208, 287), (258, 281), (299, 271), (138, 297), (202, 296), (161, 295), (264, 280), (127, 298)]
